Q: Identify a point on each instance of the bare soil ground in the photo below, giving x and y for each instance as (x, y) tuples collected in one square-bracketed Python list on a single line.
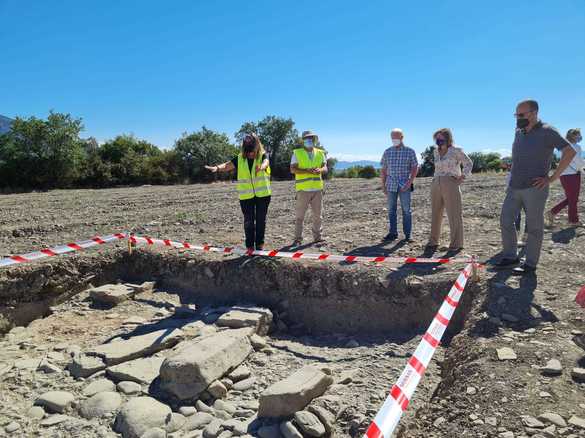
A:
[(480, 395)]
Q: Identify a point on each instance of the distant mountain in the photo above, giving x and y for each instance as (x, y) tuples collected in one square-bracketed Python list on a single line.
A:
[(5, 124), (342, 165)]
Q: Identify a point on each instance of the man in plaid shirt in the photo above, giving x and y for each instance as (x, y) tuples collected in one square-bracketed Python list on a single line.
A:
[(399, 169)]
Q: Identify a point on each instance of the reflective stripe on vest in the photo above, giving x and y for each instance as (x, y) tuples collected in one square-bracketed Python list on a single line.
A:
[(249, 186), (309, 181)]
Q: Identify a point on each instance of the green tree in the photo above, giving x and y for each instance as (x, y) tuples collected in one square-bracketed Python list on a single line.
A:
[(164, 168), (484, 162), (427, 168), (126, 157), (331, 163), (204, 147), (279, 137), (43, 154), (368, 172)]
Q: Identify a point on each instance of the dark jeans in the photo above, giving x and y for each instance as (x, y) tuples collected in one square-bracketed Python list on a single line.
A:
[(255, 211), (406, 212)]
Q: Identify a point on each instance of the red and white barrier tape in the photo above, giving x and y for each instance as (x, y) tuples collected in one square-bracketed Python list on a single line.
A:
[(292, 255), (61, 249), (85, 244), (401, 393)]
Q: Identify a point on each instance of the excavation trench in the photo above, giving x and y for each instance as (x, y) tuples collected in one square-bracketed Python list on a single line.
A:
[(360, 321)]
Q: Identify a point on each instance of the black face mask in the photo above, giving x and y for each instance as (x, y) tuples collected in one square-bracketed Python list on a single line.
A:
[(522, 123)]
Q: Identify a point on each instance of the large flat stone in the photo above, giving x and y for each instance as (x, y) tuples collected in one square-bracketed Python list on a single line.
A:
[(187, 373), (139, 415), (309, 423), (112, 293), (100, 405), (27, 363), (55, 401), (84, 366), (578, 422), (97, 386), (258, 318), (294, 393), (117, 352), (142, 371), (506, 353)]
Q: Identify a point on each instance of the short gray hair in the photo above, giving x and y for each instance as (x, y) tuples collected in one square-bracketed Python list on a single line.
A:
[(397, 131)]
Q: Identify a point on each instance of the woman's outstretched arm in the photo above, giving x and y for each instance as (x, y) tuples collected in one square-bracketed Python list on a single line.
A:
[(228, 166)]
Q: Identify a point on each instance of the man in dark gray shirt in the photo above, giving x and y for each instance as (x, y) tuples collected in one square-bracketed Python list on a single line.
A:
[(532, 154)]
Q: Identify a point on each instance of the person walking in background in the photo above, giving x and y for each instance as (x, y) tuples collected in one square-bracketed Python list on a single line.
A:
[(399, 169), (253, 174), (532, 154), (308, 164), (571, 182), (446, 190)]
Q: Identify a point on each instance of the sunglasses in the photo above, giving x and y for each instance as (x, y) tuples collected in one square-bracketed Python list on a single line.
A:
[(521, 115)]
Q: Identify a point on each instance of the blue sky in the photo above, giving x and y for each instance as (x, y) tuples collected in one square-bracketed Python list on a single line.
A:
[(349, 70)]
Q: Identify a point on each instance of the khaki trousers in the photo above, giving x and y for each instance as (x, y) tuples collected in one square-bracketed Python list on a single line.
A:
[(446, 195), (304, 200)]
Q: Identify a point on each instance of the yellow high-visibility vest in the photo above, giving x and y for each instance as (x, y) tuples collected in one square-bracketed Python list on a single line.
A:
[(309, 181), (252, 184)]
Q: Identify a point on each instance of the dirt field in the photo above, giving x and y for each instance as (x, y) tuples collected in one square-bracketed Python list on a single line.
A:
[(480, 395)]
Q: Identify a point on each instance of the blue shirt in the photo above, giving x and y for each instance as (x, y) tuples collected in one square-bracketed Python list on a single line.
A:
[(398, 162)]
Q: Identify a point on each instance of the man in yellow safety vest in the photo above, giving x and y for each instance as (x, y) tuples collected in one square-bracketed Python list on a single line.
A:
[(308, 164)]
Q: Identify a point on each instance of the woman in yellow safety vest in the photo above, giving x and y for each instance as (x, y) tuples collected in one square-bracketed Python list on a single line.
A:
[(253, 173)]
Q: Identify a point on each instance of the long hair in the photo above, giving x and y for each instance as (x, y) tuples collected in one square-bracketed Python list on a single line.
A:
[(447, 134), (258, 146)]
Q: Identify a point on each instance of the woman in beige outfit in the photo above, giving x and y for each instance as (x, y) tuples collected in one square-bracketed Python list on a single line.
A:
[(445, 189)]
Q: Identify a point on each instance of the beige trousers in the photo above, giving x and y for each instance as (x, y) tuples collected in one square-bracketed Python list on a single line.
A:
[(446, 195), (304, 200)]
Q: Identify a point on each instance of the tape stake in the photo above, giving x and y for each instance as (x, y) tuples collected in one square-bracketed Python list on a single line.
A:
[(400, 396)]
